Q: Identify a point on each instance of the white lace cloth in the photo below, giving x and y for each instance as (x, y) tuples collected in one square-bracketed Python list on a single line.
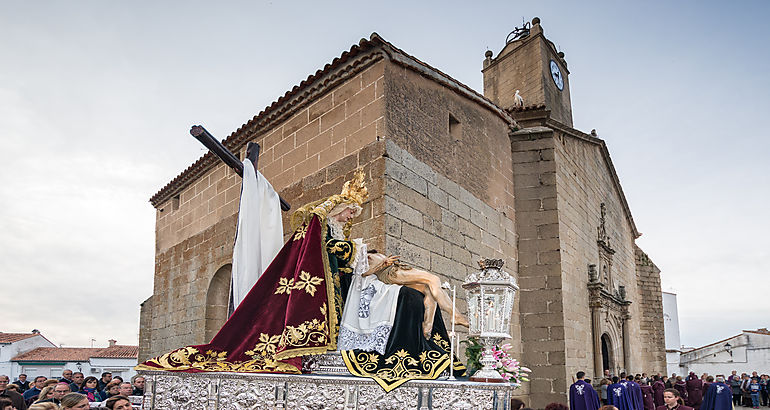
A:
[(370, 309)]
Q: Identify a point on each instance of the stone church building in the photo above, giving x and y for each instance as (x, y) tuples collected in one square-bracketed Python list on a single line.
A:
[(454, 176)]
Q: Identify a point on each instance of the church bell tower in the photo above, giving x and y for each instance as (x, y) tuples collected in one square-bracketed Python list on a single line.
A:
[(530, 63)]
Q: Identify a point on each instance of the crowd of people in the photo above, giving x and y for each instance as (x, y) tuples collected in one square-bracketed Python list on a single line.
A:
[(71, 391), (659, 392)]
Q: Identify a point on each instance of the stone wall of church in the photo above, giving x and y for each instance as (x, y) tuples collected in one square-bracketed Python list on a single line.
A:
[(448, 184), (584, 182), (540, 272), (651, 314)]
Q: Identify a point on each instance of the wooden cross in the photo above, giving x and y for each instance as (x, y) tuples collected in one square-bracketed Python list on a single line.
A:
[(230, 159)]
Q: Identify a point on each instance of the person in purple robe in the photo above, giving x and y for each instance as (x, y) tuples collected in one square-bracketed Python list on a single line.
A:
[(634, 391), (718, 396), (657, 387), (648, 398), (681, 387), (619, 396), (694, 387), (582, 395), (709, 382)]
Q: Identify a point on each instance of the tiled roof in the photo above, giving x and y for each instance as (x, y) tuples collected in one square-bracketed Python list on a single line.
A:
[(15, 337), (762, 331), (118, 351), (320, 79), (56, 354), (76, 354)]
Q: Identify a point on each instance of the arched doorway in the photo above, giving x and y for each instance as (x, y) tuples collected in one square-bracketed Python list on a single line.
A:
[(217, 300), (607, 362)]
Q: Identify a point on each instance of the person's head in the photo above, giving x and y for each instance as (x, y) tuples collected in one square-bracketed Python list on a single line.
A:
[(106, 377), (516, 404), (78, 378), (118, 378), (138, 382), (753, 374), (374, 257), (90, 382), (556, 406), (12, 387), (607, 373), (710, 379), (664, 378), (50, 382), (22, 377), (75, 401), (125, 389), (46, 393), (615, 379), (118, 403), (113, 388), (67, 374), (604, 381), (672, 397), (345, 212), (734, 372), (40, 381), (60, 389), (655, 378), (630, 378), (3, 382), (678, 379), (43, 406), (6, 404), (580, 375)]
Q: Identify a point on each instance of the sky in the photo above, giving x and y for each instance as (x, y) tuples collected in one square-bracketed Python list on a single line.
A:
[(96, 100)]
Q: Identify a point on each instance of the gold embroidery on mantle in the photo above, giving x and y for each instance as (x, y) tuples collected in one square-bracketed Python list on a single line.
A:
[(301, 232), (398, 368), (188, 358), (284, 286), (307, 282)]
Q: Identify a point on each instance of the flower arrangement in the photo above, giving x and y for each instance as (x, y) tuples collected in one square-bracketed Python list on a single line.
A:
[(509, 368)]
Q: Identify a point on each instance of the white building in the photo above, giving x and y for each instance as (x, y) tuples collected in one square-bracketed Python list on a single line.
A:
[(671, 330), (119, 360), (746, 353), (13, 344)]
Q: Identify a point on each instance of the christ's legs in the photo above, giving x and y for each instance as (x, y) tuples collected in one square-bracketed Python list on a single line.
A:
[(434, 285)]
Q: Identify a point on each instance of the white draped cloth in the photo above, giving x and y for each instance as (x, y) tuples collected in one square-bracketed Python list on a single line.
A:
[(370, 309), (260, 232)]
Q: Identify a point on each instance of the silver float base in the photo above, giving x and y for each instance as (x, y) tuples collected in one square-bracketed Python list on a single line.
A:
[(231, 391)]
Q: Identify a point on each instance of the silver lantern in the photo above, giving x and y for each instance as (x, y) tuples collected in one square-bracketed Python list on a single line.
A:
[(490, 302)]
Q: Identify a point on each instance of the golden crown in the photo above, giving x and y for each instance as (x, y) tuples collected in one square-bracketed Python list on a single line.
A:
[(355, 189)]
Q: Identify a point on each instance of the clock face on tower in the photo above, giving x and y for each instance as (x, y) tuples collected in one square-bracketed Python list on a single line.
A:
[(556, 75)]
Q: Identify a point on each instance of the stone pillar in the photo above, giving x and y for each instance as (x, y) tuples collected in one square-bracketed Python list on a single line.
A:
[(627, 344), (596, 325)]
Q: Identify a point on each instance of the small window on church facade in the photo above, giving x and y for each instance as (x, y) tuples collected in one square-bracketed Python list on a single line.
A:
[(455, 128), (175, 203)]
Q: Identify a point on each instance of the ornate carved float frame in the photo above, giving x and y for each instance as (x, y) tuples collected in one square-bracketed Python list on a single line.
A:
[(230, 391)]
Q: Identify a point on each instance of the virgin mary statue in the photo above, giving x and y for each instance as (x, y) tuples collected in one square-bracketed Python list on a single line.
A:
[(312, 300)]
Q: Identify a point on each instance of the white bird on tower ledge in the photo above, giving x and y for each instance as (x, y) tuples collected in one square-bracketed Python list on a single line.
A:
[(517, 100)]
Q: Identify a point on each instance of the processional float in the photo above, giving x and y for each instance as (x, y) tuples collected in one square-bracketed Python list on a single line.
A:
[(326, 382)]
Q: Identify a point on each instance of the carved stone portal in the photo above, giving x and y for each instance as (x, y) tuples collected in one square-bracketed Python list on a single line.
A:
[(609, 309)]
